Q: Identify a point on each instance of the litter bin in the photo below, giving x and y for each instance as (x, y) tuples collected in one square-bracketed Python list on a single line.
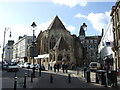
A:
[(97, 79), (88, 76), (114, 78), (101, 76)]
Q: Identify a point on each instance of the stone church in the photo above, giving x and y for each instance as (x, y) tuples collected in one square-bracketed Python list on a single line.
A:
[(61, 46)]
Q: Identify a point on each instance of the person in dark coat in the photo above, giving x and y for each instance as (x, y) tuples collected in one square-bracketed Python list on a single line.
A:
[(55, 67), (66, 67), (63, 67), (58, 66)]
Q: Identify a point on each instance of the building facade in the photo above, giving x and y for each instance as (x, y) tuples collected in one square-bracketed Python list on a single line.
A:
[(20, 51), (61, 46), (115, 14), (106, 55), (8, 53), (90, 45)]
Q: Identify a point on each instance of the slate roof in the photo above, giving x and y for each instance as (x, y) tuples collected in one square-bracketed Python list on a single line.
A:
[(61, 44), (56, 24)]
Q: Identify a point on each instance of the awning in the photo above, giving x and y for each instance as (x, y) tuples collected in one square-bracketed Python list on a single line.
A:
[(42, 56)]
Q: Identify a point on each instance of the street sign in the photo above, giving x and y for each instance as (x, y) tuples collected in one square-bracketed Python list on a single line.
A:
[(33, 52)]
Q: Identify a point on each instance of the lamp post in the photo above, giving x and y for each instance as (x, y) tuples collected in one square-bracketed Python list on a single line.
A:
[(9, 52), (84, 26), (33, 45), (40, 68), (6, 29)]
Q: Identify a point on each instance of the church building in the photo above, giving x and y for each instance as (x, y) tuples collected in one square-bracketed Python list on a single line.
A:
[(62, 47)]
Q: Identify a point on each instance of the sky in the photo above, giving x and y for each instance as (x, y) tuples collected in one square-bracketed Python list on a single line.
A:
[(17, 16)]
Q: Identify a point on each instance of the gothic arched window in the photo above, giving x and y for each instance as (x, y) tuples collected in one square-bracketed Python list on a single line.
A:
[(45, 44), (60, 57), (52, 42)]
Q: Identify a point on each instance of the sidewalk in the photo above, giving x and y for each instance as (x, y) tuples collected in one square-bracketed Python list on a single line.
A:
[(80, 75)]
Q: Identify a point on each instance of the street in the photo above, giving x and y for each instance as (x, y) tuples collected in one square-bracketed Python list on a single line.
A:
[(8, 78), (59, 80)]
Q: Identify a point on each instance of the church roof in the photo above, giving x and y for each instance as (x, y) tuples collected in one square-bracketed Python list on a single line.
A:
[(61, 44), (56, 24)]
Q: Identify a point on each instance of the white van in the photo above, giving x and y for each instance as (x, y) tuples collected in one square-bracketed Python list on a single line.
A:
[(94, 66)]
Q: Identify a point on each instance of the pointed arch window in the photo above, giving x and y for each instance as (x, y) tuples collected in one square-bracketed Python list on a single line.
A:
[(52, 42), (45, 45), (60, 57)]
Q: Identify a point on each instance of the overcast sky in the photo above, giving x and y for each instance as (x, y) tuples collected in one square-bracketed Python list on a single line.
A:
[(18, 16)]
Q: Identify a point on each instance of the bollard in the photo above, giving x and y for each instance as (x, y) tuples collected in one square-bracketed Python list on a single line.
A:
[(15, 83), (51, 78), (103, 78), (31, 77), (114, 79), (77, 71), (28, 71), (34, 72), (88, 76), (25, 81), (15, 73), (40, 71), (69, 78)]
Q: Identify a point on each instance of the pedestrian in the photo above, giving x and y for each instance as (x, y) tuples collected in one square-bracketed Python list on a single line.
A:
[(48, 66), (51, 67), (58, 66), (63, 67), (66, 67), (55, 67), (119, 71)]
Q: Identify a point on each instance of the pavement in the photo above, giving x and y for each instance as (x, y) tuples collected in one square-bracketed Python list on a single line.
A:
[(80, 75)]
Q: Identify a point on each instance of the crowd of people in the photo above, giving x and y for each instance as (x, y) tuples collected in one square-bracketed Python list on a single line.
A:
[(56, 67)]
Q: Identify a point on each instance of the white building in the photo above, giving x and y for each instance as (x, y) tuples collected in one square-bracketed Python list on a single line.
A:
[(106, 44), (8, 51), (20, 52)]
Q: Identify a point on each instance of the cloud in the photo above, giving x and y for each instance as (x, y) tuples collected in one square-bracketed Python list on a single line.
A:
[(43, 26), (70, 3), (20, 30), (65, 2), (98, 20), (80, 16), (70, 28)]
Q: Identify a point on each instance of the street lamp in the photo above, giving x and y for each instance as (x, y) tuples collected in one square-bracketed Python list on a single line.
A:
[(33, 44), (6, 29), (84, 26)]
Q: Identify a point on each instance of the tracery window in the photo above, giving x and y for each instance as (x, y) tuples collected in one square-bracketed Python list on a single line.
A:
[(52, 42), (60, 57)]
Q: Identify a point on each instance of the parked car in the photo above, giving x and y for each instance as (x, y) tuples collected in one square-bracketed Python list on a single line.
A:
[(93, 66), (21, 65), (36, 66), (13, 67), (31, 66), (5, 66), (26, 64), (42, 67)]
